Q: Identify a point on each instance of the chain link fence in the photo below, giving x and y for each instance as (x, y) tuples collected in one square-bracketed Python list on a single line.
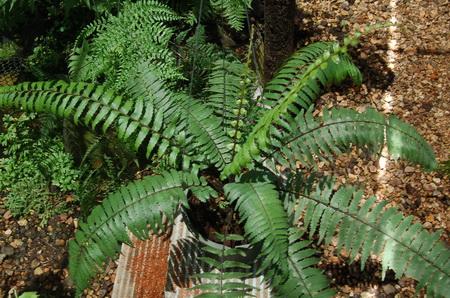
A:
[(10, 70)]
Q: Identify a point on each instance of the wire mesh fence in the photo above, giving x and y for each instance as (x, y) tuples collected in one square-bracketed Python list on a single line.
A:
[(10, 70)]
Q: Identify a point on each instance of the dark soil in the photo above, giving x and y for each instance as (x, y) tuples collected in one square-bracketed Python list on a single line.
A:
[(35, 258)]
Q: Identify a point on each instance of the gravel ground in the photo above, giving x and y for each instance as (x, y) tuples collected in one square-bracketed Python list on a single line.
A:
[(406, 72)]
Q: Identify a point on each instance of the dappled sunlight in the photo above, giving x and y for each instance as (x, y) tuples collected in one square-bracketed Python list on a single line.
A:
[(388, 98)]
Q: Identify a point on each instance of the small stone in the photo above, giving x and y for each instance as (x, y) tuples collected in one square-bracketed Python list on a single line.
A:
[(427, 225), (8, 232), (389, 289), (38, 271), (35, 263), (437, 180), (7, 250), (373, 169), (409, 169), (429, 187), (22, 222), (2, 257), (367, 295), (7, 215), (16, 243), (60, 242)]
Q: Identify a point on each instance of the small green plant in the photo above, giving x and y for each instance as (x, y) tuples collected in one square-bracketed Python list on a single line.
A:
[(8, 49), (34, 169)]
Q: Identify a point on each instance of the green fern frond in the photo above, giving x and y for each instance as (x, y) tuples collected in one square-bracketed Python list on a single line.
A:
[(227, 269), (230, 98), (200, 122), (294, 70), (139, 122), (141, 206), (364, 228), (305, 137), (223, 89), (265, 219), (304, 280), (258, 139), (139, 33), (233, 10), (316, 73), (77, 61)]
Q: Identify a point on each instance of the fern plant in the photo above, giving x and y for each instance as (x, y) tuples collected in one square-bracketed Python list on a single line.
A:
[(247, 141)]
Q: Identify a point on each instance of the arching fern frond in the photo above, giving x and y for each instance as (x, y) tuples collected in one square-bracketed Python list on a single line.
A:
[(210, 140), (304, 280), (140, 207), (265, 219), (364, 228), (233, 10), (139, 122), (294, 69), (304, 137), (227, 272), (314, 75)]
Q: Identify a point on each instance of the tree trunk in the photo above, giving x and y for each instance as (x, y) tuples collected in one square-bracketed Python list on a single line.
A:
[(278, 34)]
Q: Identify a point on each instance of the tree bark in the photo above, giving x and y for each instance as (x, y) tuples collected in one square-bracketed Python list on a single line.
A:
[(278, 34)]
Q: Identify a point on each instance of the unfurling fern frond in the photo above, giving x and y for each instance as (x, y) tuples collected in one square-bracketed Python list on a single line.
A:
[(337, 70), (304, 280), (233, 10), (139, 122), (140, 207), (139, 33), (227, 270), (266, 222), (364, 227), (305, 137)]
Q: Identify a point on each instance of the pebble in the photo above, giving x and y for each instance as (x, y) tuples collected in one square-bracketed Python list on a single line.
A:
[(409, 169), (389, 289), (38, 271), (16, 243), (373, 169), (7, 250), (7, 215), (8, 232), (22, 222), (60, 242), (35, 263)]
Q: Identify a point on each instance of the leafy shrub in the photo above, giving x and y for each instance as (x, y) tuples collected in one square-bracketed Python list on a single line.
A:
[(33, 168)]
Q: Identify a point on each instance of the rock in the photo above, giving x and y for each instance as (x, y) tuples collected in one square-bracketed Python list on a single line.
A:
[(7, 250), (389, 289), (60, 242), (2, 257), (16, 243), (437, 180), (373, 169), (35, 263), (427, 225), (22, 222), (38, 271), (409, 169), (7, 215), (8, 232)]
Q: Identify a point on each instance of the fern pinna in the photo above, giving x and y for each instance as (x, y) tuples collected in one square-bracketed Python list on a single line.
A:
[(182, 135)]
